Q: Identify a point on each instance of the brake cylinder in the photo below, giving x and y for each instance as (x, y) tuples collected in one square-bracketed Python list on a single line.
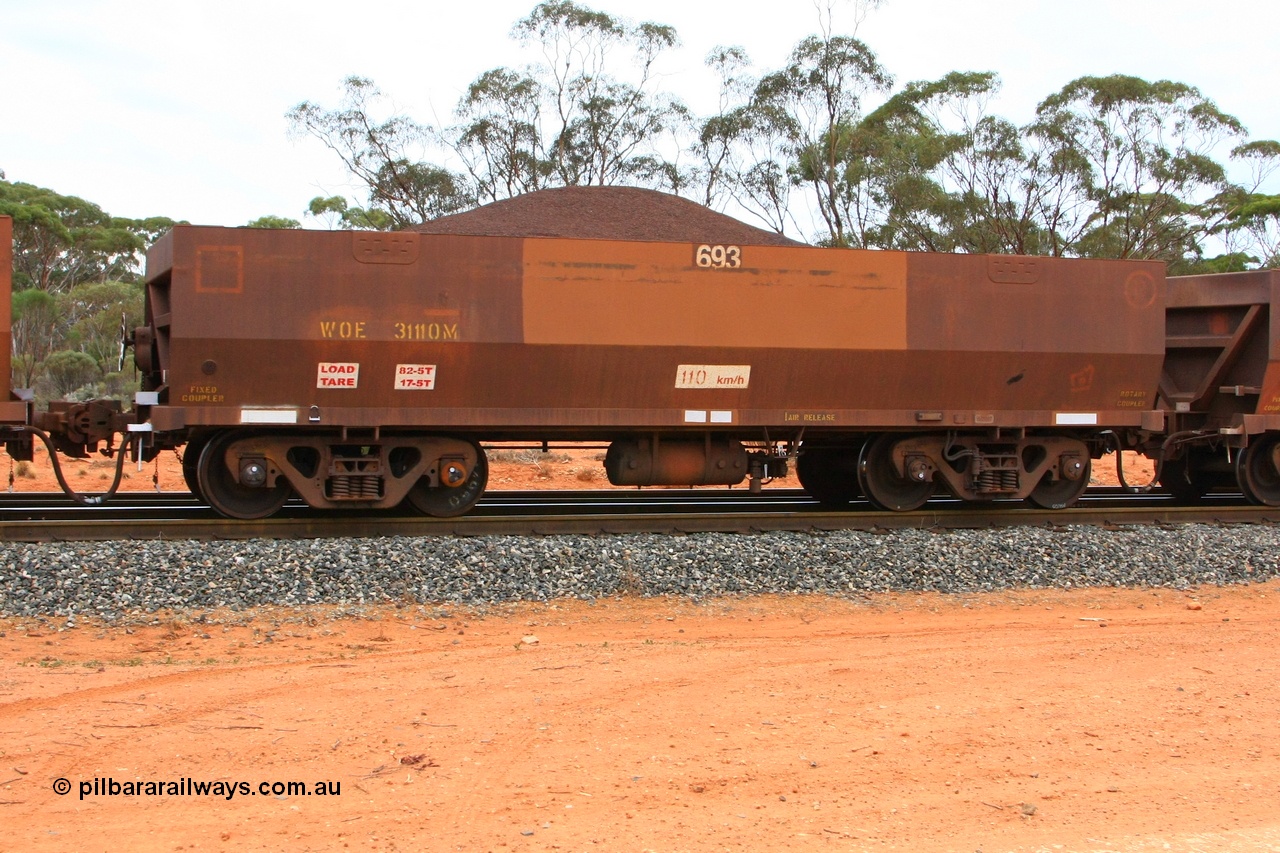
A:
[(675, 462)]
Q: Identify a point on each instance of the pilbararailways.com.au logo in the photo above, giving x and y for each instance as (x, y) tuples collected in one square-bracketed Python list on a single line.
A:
[(188, 787)]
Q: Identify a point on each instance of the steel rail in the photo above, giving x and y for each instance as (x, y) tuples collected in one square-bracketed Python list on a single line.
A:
[(30, 502), (604, 512)]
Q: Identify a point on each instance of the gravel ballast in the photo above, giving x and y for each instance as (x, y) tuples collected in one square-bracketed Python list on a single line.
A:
[(119, 581)]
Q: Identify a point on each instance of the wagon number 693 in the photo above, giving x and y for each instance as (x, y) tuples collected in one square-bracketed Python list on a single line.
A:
[(718, 257)]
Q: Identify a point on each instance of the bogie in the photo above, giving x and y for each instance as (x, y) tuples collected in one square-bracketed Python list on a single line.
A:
[(458, 484), (250, 475), (228, 472), (830, 473), (899, 471), (1258, 470)]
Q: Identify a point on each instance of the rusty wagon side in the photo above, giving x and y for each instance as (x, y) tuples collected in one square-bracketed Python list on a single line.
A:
[(360, 369)]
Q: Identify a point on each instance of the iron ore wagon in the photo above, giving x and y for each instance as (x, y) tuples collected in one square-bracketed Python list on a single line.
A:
[(367, 369)]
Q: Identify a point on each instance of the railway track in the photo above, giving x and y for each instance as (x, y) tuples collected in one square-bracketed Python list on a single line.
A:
[(51, 517)]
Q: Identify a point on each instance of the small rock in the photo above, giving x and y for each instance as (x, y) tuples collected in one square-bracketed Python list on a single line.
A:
[(529, 640), (121, 582), (1027, 809)]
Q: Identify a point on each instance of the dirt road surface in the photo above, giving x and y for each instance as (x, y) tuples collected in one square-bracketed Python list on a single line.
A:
[(1084, 720)]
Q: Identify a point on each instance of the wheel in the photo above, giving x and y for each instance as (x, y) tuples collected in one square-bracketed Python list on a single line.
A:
[(191, 464), (444, 502), (829, 475), (224, 492), (1060, 493), (1257, 472), (1180, 478), (881, 482)]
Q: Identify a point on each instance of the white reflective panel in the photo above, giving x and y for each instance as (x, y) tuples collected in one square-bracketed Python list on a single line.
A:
[(1076, 419), (268, 416)]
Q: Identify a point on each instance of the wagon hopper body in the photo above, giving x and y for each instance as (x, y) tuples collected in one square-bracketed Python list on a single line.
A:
[(1221, 385), (361, 368)]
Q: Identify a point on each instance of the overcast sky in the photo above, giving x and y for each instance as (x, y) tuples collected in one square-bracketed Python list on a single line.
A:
[(177, 108)]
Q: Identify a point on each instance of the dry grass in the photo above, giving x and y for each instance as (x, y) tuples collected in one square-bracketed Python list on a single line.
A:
[(529, 457)]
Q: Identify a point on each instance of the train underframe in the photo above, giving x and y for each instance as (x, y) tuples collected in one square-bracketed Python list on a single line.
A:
[(1196, 463), (250, 472), (900, 471), (246, 474)]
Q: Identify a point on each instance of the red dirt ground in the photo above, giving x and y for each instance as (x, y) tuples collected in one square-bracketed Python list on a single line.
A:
[(1089, 720)]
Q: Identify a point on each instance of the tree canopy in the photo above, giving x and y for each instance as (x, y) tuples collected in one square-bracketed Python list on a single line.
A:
[(62, 240), (827, 147), (77, 279)]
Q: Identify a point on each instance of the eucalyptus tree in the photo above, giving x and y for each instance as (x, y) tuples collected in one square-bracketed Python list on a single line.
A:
[(77, 272), (815, 103), (744, 149), (714, 145), (35, 333), (501, 137), (952, 177), (1259, 217), (93, 316), (824, 146), (272, 221), (336, 213), (580, 116), (911, 163), (62, 240), (67, 370), (1250, 229), (385, 154), (1134, 166)]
